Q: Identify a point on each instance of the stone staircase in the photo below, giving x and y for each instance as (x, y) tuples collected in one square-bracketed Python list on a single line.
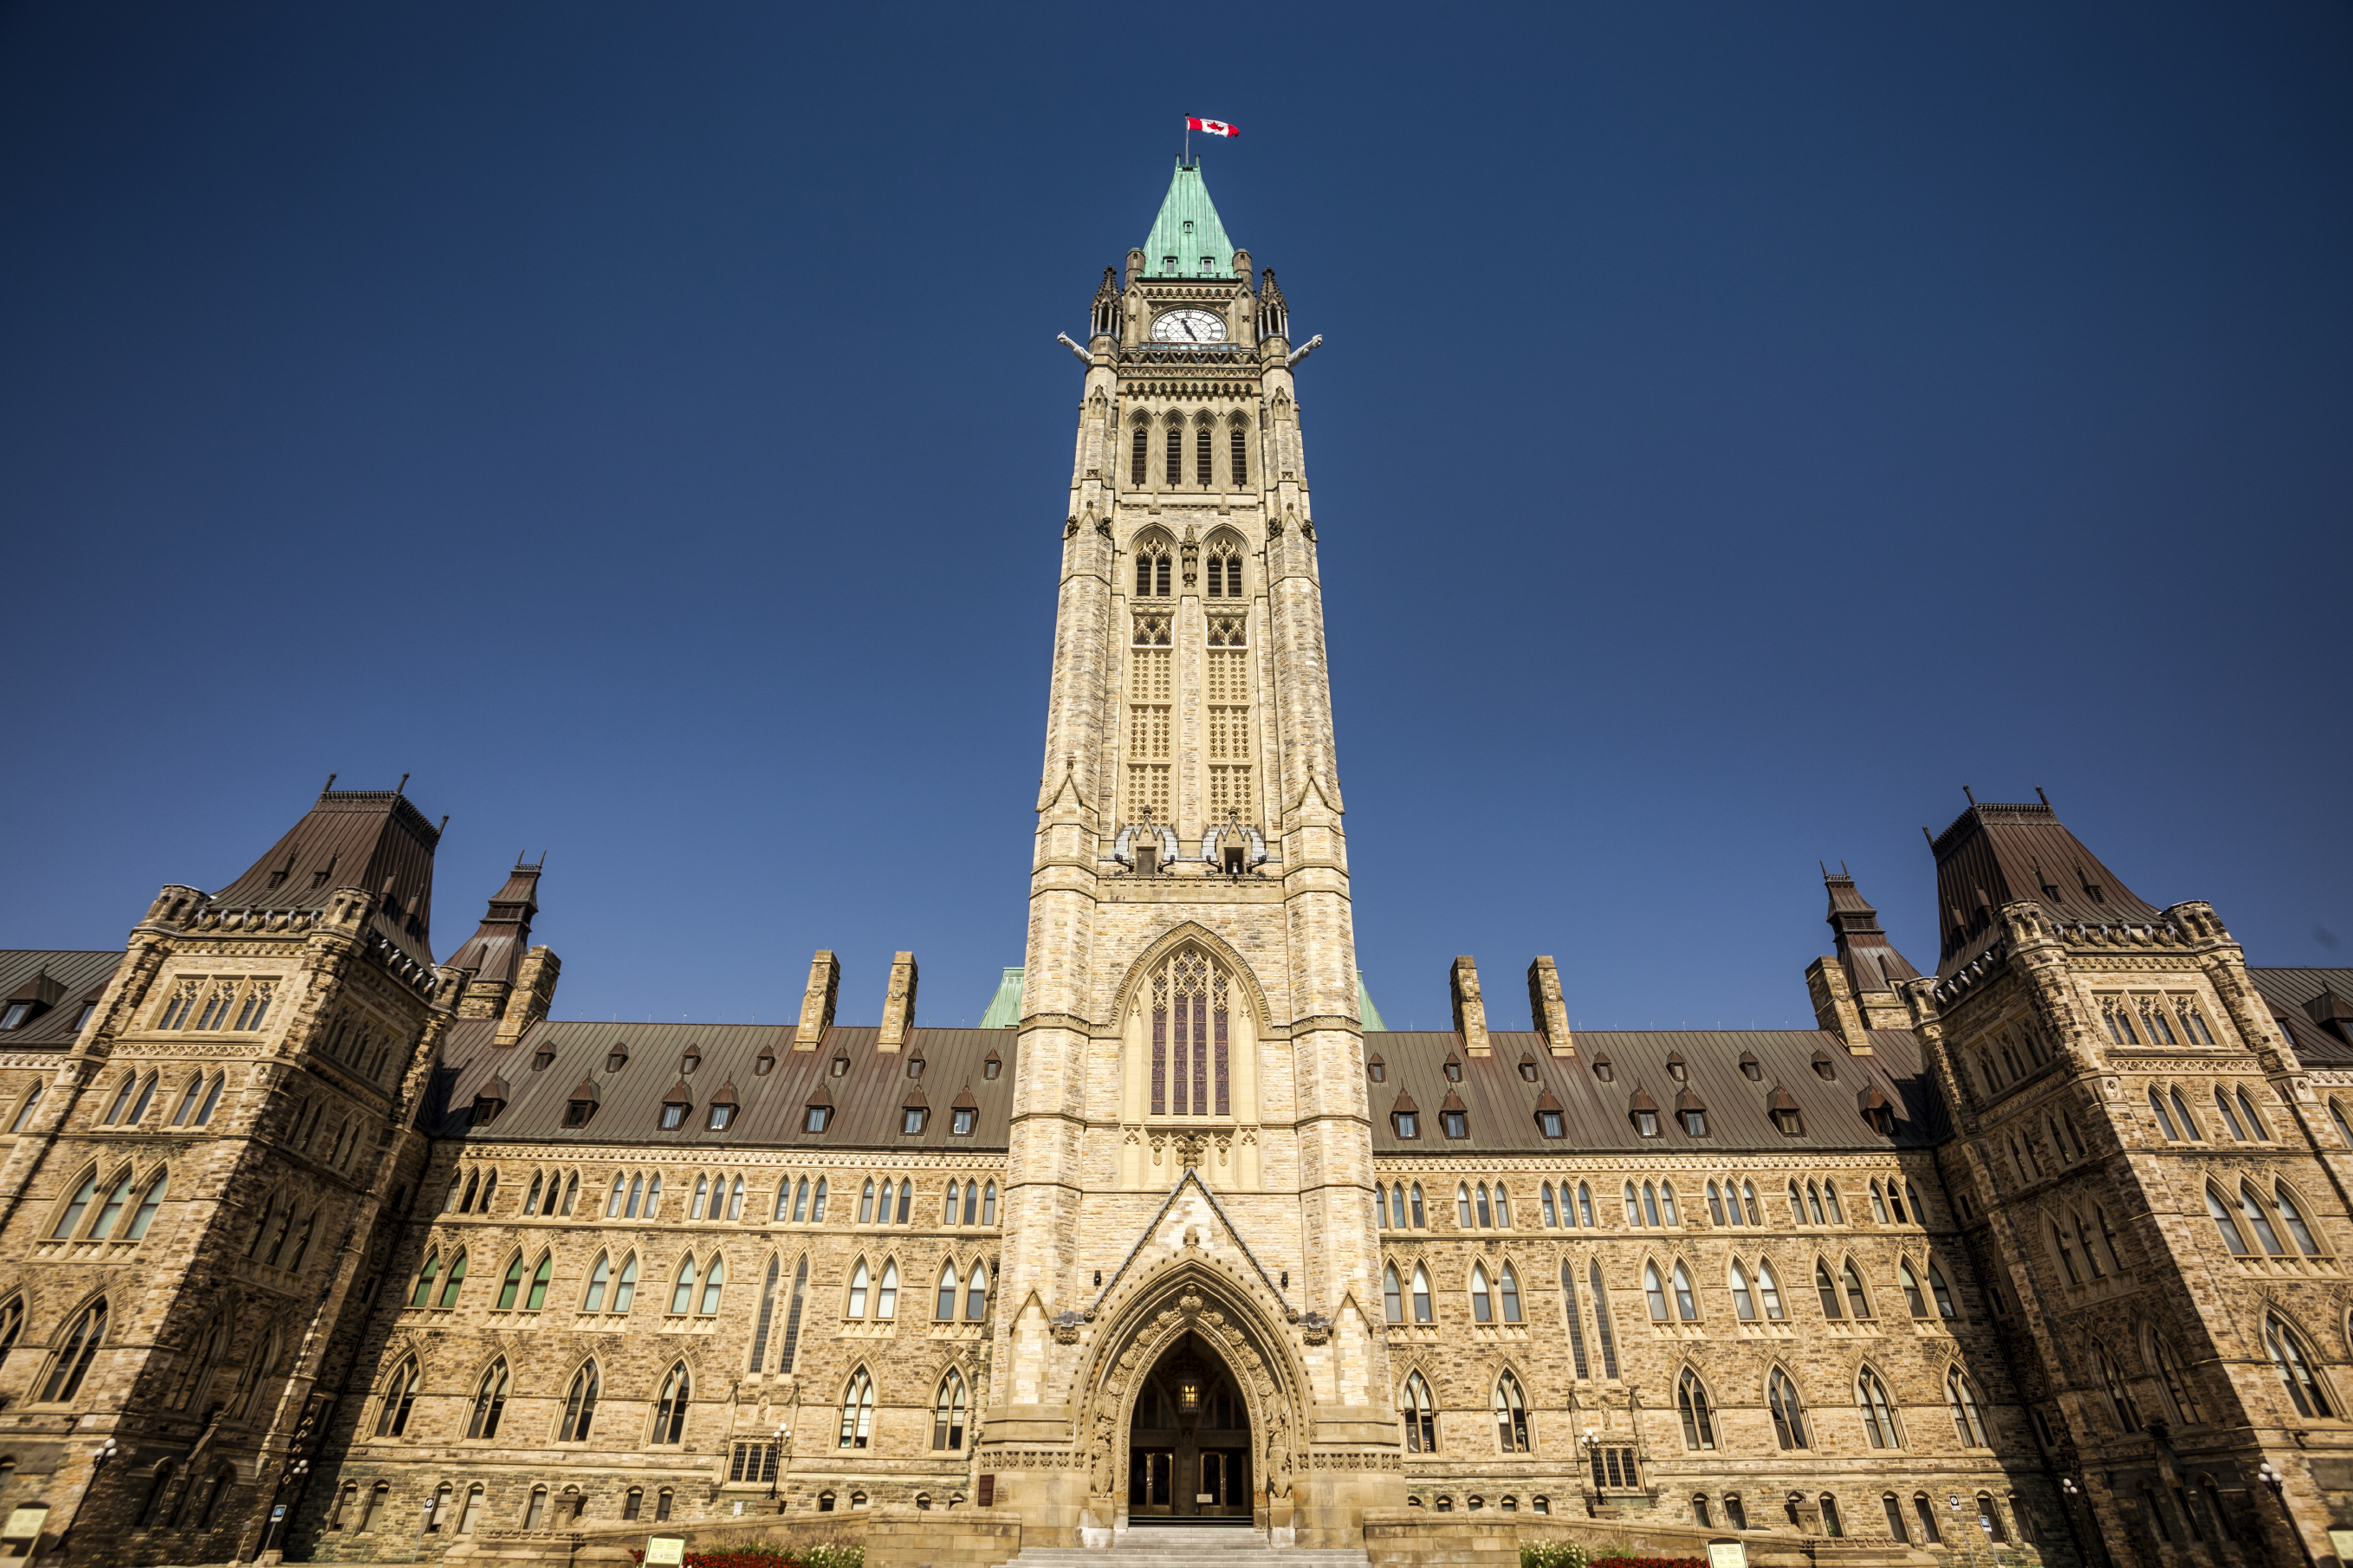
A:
[(1235, 1545)]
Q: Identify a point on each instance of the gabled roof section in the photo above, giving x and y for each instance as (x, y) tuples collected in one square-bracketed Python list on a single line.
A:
[(1992, 855), (498, 946), (1870, 961), (369, 838), (68, 978), (1187, 240)]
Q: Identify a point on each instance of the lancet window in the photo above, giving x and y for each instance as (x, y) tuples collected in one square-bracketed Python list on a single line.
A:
[(1150, 713), (1190, 1007)]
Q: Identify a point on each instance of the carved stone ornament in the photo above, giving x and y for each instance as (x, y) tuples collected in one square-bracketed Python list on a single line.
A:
[(1316, 1328), (1066, 1327)]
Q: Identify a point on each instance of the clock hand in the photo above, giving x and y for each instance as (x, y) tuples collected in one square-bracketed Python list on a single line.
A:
[(1188, 330)]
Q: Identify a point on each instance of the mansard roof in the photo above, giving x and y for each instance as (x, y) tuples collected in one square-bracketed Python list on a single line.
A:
[(1187, 202), (1991, 855), (772, 1107), (2296, 998), (1502, 1104), (74, 978), (369, 838)]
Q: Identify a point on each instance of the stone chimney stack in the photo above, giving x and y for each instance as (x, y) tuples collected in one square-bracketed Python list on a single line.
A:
[(1546, 1009), (532, 996), (817, 1001), (1834, 1007), (1470, 1010), (898, 1003)]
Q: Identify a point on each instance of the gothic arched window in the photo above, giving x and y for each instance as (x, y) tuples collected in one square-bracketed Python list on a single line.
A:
[(1152, 569), (670, 1410), (1421, 1426), (1239, 435), (399, 1399), (1142, 457), (1392, 1296), (1190, 1033), (1421, 1313), (1967, 1427), (580, 1406), (2290, 1360), (1511, 1415), (1202, 448), (947, 1413), (1788, 1413), (489, 1401), (1691, 1403), (1878, 1411), (1176, 455), (857, 1411), (975, 1293)]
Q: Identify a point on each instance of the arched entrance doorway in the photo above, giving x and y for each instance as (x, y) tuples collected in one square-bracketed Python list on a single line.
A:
[(1188, 1450)]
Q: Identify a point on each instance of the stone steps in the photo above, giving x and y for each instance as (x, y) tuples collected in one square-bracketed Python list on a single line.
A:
[(1182, 1546)]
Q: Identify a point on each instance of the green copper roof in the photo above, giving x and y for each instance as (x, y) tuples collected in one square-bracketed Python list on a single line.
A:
[(1005, 1007), (1368, 1015), (1187, 240)]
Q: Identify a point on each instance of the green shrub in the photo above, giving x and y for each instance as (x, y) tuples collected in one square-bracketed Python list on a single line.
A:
[(1553, 1554)]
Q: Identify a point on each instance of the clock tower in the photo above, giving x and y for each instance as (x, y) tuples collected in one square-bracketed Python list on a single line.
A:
[(1190, 1168)]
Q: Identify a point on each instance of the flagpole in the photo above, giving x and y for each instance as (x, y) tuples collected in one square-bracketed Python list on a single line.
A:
[(1188, 140)]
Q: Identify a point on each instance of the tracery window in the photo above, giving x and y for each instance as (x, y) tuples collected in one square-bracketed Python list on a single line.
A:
[(670, 1410), (857, 1411), (1507, 1292), (1191, 1036), (489, 1401), (1142, 457), (1511, 1415), (1601, 1325), (1743, 1304), (81, 1349), (1175, 469), (1788, 1411), (399, 1399), (2120, 1399), (1392, 1296), (2170, 1371), (947, 1413), (1422, 1310), (975, 1293), (1962, 1400), (1202, 471), (1878, 1410), (1691, 1403), (1241, 439), (1152, 569), (1768, 1290), (2294, 1364), (1421, 1424), (1575, 1321), (1226, 677), (1149, 718)]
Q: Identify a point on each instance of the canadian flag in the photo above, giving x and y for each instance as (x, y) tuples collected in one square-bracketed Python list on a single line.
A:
[(1214, 127)]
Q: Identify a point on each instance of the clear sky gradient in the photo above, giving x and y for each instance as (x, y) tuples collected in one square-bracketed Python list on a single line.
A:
[(1737, 428)]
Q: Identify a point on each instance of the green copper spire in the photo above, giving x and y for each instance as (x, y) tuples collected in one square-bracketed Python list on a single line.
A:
[(1187, 240)]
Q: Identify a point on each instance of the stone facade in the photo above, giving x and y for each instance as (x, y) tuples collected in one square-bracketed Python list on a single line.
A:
[(2039, 1252)]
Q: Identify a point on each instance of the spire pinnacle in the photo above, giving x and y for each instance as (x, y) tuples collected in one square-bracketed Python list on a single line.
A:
[(1187, 240)]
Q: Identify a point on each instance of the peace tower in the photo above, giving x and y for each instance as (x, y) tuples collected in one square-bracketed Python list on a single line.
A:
[(1190, 995)]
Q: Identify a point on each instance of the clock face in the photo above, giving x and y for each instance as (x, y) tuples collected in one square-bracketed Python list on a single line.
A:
[(1189, 327)]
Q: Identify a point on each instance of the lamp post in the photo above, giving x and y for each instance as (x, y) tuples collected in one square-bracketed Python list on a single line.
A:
[(1591, 1442), (2277, 1484), (286, 1478), (777, 1461)]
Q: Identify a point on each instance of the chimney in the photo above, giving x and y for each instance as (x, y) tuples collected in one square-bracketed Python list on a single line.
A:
[(817, 1001), (1834, 1007), (532, 996), (1547, 1010), (898, 1003), (1470, 1012)]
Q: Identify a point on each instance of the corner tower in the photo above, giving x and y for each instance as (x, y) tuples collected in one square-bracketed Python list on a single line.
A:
[(1191, 1093)]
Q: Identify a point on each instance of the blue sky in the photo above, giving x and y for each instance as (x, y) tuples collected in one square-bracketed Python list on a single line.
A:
[(1738, 427)]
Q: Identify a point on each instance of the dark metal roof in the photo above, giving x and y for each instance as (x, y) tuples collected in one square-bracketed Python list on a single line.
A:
[(76, 977), (1502, 1105), (1991, 855), (1870, 961), (868, 1098), (371, 840), (498, 946), (2291, 993)]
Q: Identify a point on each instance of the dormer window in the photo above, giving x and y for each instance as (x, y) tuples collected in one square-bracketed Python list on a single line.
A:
[(1453, 1117), (992, 1065), (1750, 1068), (840, 1066), (763, 1064), (1602, 1069), (1453, 1070), (1376, 1069), (1824, 1068), (14, 1014), (82, 1019), (721, 1115), (688, 1062), (582, 1105), (1646, 1123), (911, 1118), (915, 1066), (1783, 1108), (1548, 1123), (819, 1115), (1643, 1111), (1406, 1117), (1528, 1069), (542, 1057), (965, 1117), (675, 1106), (1676, 1069), (618, 1059)]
